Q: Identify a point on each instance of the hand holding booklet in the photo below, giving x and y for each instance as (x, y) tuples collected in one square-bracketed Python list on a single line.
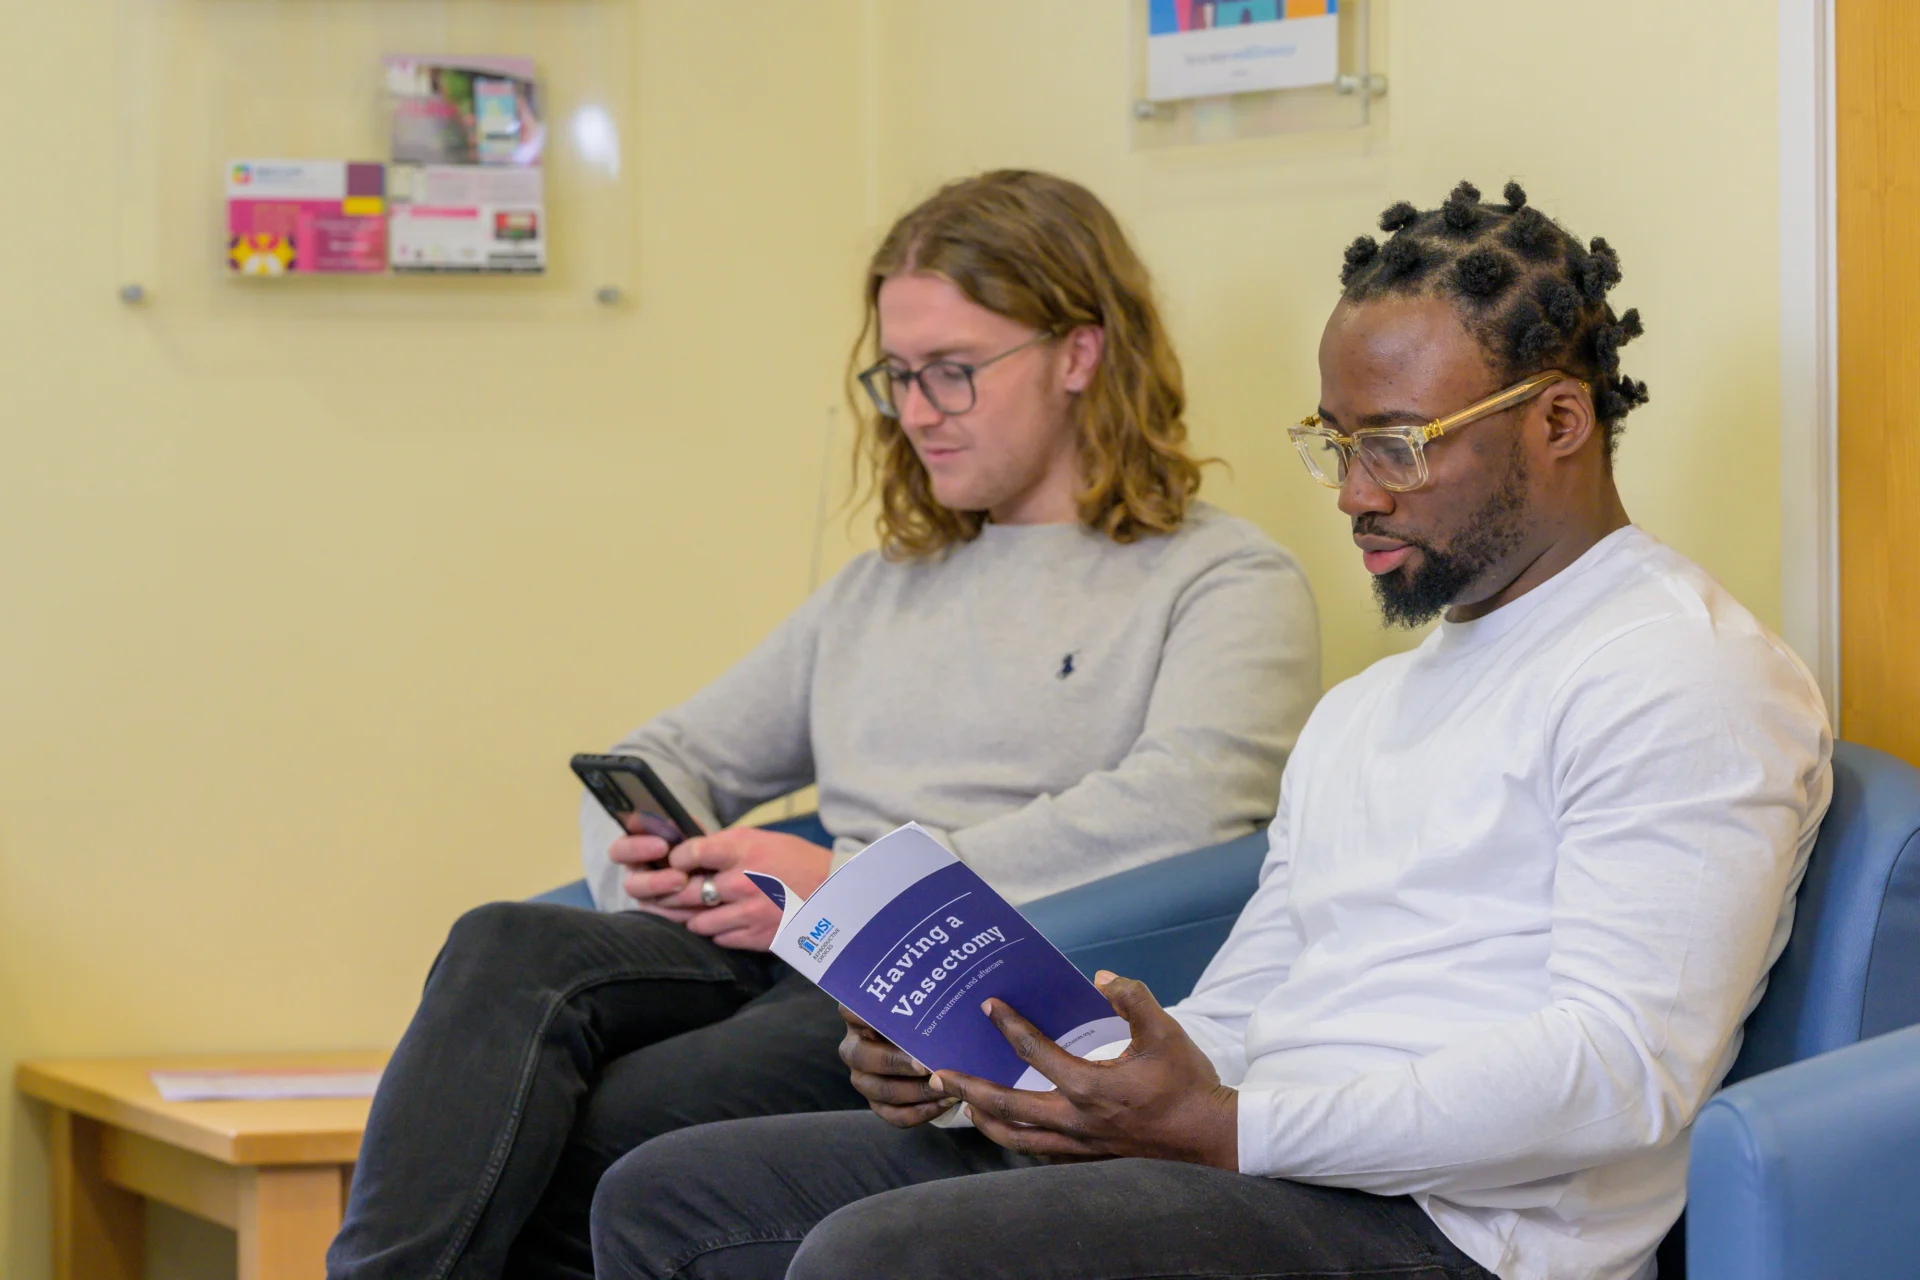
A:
[(911, 939)]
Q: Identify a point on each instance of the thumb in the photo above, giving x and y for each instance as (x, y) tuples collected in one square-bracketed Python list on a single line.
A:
[(1132, 1001)]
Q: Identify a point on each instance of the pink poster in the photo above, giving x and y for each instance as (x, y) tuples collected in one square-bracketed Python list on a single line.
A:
[(311, 217)]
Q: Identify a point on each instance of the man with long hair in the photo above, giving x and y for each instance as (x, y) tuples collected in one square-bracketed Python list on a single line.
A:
[(1060, 662)]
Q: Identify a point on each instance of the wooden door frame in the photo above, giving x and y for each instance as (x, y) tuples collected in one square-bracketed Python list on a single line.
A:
[(1809, 347)]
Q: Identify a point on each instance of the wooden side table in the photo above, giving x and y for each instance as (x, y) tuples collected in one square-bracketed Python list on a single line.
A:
[(275, 1172)]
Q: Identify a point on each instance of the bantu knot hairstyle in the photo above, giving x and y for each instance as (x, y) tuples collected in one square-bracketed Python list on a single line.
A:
[(1399, 216), (1532, 235), (1359, 254), (1532, 295), (1483, 274), (1461, 213), (1404, 258)]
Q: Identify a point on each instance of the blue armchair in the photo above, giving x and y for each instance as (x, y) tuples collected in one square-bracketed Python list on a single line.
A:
[(1811, 1110), (1811, 1169), (1849, 1119), (1806, 1164)]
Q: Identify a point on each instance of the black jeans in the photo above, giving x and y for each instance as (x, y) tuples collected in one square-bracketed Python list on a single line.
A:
[(549, 1042), (830, 1197)]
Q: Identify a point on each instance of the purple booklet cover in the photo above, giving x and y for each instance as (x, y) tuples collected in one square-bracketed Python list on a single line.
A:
[(910, 938)]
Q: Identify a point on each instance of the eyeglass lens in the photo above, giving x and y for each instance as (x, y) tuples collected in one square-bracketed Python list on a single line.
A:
[(947, 385), (1391, 459)]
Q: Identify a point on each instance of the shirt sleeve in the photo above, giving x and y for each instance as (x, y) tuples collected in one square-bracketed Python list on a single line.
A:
[(1688, 778), (1255, 958), (1238, 674), (743, 740)]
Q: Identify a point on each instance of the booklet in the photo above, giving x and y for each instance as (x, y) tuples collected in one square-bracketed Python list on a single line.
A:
[(910, 938)]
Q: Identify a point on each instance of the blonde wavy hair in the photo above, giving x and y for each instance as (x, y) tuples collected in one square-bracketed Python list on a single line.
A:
[(1044, 252)]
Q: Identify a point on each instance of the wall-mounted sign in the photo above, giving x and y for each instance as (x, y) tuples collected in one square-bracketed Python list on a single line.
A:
[(1204, 48), (465, 191), (450, 110), (466, 182), (305, 216), (468, 218)]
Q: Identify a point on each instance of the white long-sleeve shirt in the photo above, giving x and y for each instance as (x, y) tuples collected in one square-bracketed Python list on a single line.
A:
[(1524, 886)]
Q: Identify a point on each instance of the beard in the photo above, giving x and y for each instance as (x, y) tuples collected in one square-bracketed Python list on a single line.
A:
[(1490, 534)]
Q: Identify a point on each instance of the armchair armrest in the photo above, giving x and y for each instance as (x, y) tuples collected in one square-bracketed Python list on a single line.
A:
[(1160, 923), (574, 894), (1811, 1170)]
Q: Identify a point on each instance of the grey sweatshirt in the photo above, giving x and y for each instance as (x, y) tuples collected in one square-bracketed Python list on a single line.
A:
[(1052, 705)]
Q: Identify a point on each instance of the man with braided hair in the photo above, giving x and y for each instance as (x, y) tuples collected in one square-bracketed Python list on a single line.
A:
[(1533, 303), (1524, 885)]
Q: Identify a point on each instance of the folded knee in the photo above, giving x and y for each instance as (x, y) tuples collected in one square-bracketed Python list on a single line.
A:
[(876, 1236), (503, 938), (495, 924), (648, 1211)]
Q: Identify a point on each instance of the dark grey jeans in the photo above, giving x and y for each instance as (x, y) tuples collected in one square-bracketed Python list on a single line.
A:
[(837, 1196), (549, 1042)]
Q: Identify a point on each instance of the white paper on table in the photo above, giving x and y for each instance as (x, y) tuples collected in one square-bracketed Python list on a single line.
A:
[(227, 1086)]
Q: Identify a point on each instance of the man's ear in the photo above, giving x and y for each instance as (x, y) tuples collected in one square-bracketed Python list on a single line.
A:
[(1084, 347), (1568, 413)]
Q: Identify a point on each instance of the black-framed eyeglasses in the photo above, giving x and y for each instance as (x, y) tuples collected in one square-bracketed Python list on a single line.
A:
[(947, 384)]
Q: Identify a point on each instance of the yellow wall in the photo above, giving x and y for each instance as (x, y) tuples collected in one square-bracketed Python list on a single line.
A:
[(292, 657), (290, 661), (1650, 124)]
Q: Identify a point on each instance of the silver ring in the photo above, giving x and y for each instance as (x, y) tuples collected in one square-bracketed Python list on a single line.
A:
[(709, 895)]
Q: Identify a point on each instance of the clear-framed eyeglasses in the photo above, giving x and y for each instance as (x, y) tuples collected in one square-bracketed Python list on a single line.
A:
[(947, 384), (1396, 456)]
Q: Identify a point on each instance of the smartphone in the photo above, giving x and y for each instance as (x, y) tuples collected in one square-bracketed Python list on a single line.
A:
[(633, 796)]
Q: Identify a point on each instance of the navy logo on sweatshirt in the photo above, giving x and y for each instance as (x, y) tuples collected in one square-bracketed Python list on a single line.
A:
[(1066, 667)]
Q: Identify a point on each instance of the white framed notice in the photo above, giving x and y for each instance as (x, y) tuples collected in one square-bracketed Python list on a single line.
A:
[(1207, 71), (1204, 48)]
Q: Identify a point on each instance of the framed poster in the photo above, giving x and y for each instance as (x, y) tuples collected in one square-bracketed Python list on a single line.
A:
[(466, 184), (420, 159), (1206, 48)]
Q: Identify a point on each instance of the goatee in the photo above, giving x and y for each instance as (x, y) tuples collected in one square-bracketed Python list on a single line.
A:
[(1496, 530)]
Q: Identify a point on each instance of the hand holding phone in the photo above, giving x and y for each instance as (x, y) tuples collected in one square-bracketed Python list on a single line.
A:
[(635, 797), (640, 848), (658, 887), (653, 818)]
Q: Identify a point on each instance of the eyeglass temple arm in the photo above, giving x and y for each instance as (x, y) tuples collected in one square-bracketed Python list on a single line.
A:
[(1495, 403), (1036, 339)]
